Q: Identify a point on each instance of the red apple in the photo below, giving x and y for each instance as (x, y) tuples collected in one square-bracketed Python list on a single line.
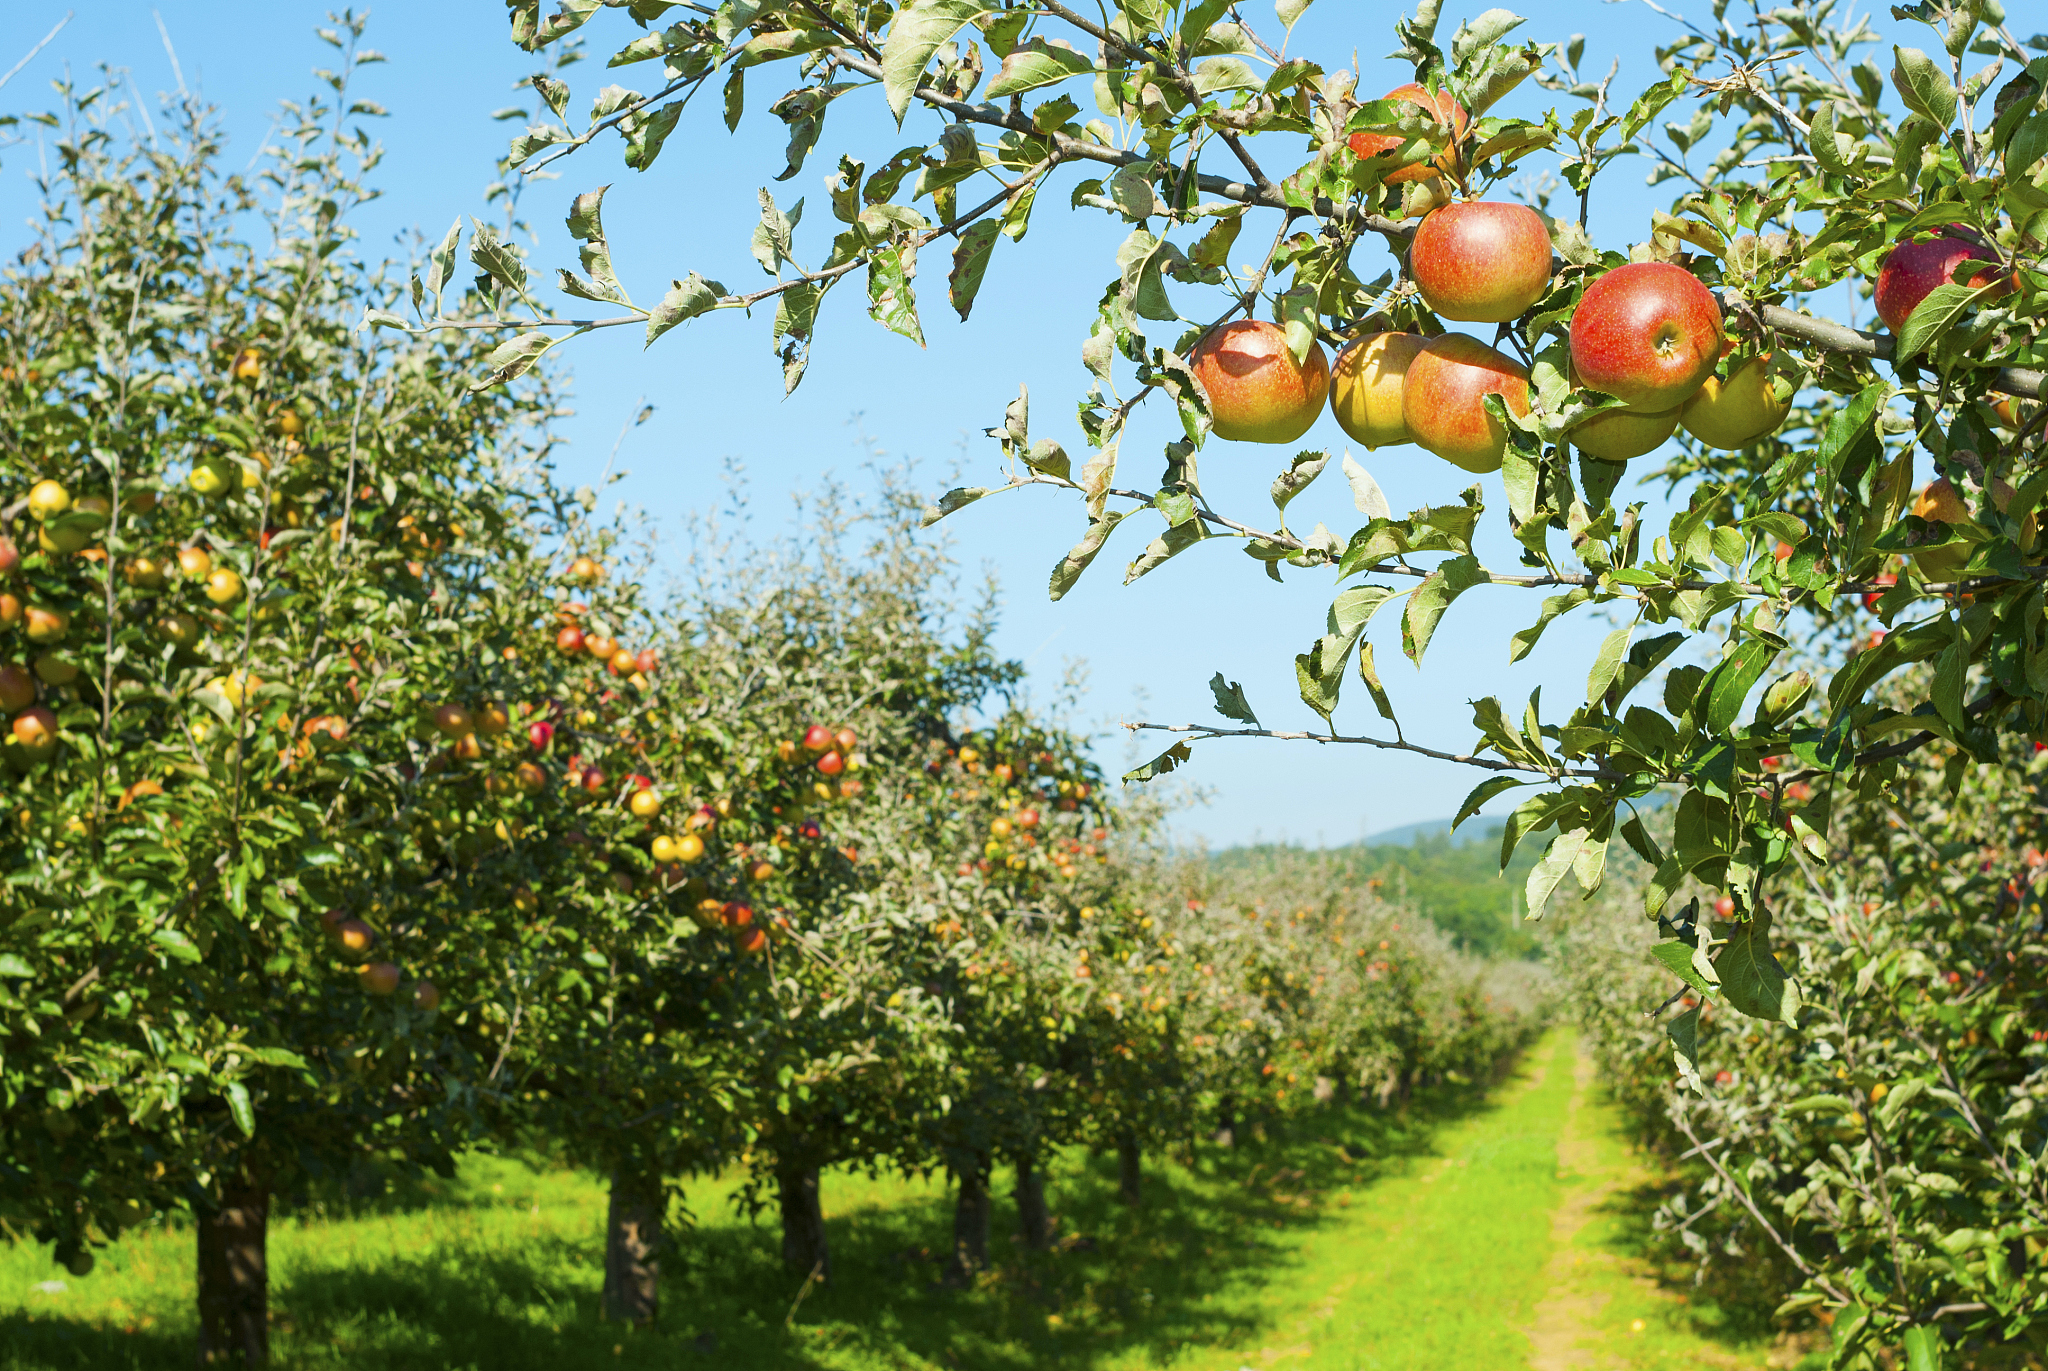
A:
[(847, 739), (35, 728), (540, 734), (426, 997), (1647, 333), (1440, 105), (1257, 392), (453, 721), (752, 942), (378, 978), (1616, 435), (831, 764), (1724, 906), (569, 638), (1365, 387), (529, 778), (737, 915), (1443, 401), (645, 661), (818, 738), (17, 690), (1913, 270), (1483, 261), (593, 780)]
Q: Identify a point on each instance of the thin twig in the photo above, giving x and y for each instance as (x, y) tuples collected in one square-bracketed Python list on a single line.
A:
[(39, 47)]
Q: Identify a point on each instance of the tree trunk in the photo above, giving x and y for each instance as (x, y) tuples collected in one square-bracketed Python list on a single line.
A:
[(1129, 1168), (1033, 1219), (803, 1223), (970, 1223), (234, 1278), (632, 1248)]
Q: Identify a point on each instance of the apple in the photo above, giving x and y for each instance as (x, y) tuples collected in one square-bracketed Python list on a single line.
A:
[(10, 555), (785, 750), (809, 829), (818, 738), (54, 670), (379, 978), (1941, 501), (1365, 387), (214, 475), (529, 778), (736, 915), (1443, 400), (426, 997), (593, 780), (355, 936), (1027, 818), (645, 804), (569, 639), (17, 690), (248, 365), (1480, 260), (1725, 906), (1437, 104), (585, 571), (35, 728), (453, 721), (1749, 406), (48, 499), (224, 586), (752, 942), (1913, 270), (326, 730), (467, 748), (140, 502), (599, 646), (663, 849), (689, 848), (847, 739), (622, 663), (761, 871), (490, 719), (63, 539), (1257, 392), (1616, 435), (180, 630), (1647, 333), (11, 610), (831, 764), (195, 562), (46, 625), (144, 572), (540, 734)]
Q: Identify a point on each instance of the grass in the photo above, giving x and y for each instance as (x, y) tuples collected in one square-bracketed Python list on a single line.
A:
[(1443, 1238)]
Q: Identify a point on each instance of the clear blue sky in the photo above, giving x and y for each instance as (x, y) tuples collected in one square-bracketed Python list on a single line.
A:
[(1150, 648)]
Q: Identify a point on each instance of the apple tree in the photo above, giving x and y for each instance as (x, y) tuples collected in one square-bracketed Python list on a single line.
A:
[(1811, 158)]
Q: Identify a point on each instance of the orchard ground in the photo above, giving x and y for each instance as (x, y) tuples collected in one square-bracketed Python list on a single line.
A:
[(1480, 1228)]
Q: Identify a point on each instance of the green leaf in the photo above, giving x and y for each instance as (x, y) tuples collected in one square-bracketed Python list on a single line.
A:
[(1481, 793), (1850, 425), (1174, 756), (891, 301), (441, 261), (1524, 639), (495, 259), (1289, 11), (1076, 561), (1535, 813), (1937, 314), (1366, 496), (1562, 855), (1733, 680), (1677, 958), (512, 359), (238, 1105), (1230, 701), (1036, 63), (1302, 469), (915, 34), (1923, 86), (1428, 601), (12, 965), (1369, 673), (958, 498), (1607, 663), (1684, 1032), (645, 133), (273, 1056), (1751, 979), (685, 299), (176, 944), (586, 225), (970, 263)]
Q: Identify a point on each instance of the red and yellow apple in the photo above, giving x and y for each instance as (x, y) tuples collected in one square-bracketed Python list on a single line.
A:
[(1913, 270), (1257, 392), (1481, 261), (1616, 435), (1444, 400), (1749, 406), (1647, 333), (1438, 105)]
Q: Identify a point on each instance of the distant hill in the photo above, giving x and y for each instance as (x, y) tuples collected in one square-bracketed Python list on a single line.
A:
[(1453, 879)]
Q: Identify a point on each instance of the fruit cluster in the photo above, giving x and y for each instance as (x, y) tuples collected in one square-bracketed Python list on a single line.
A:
[(1647, 336)]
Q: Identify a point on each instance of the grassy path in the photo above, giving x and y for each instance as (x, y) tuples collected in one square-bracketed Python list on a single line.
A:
[(1473, 1232)]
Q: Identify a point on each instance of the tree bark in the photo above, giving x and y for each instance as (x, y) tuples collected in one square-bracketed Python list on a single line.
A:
[(1033, 1219), (970, 1222), (1129, 1168), (234, 1278), (632, 1248), (804, 1251)]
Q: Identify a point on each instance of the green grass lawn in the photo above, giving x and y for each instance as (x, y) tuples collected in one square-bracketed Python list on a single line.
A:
[(1472, 1232)]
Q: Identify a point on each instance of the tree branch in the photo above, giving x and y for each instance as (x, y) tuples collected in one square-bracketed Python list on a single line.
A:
[(1204, 732)]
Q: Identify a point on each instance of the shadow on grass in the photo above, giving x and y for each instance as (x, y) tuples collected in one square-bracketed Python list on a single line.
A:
[(1183, 1270)]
